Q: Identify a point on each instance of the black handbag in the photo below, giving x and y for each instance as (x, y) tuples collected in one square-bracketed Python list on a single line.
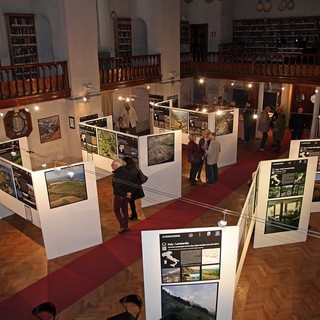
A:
[(142, 177)]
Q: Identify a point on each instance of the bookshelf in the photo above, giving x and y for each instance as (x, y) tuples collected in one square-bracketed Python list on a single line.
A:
[(22, 38), (123, 36), (184, 32), (277, 35)]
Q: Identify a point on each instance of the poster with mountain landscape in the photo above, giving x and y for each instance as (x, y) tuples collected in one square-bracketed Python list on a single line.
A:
[(190, 301), (66, 186)]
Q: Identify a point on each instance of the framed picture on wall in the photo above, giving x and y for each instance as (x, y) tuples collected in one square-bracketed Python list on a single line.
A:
[(71, 123), (49, 129)]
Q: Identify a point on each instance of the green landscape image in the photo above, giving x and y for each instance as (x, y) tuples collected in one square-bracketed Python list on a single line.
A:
[(63, 190), (107, 144), (194, 301)]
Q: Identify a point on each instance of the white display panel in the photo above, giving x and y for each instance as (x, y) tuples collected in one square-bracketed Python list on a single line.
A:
[(197, 265), (223, 122), (164, 171), (284, 198), (70, 226)]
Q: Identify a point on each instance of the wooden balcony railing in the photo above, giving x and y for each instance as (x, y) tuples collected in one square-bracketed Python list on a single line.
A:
[(128, 71), (284, 67), (31, 83)]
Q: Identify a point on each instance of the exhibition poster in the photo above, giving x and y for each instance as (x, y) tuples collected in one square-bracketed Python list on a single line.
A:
[(6, 178), (179, 120), (127, 146), (88, 136), (310, 149), (198, 121), (286, 190), (161, 117), (24, 186), (190, 270), (107, 144), (223, 122), (66, 186), (160, 149), (11, 151)]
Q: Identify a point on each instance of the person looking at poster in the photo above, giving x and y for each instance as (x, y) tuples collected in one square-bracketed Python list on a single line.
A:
[(130, 118), (203, 146), (212, 159), (297, 123), (122, 192), (137, 191)]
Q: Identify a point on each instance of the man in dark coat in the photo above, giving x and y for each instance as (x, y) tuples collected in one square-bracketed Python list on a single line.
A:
[(137, 191), (122, 192), (297, 124)]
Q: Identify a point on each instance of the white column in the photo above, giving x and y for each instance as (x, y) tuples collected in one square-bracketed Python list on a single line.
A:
[(315, 116), (260, 105)]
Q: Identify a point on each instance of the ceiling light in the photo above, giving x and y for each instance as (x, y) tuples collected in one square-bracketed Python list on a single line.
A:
[(290, 4)]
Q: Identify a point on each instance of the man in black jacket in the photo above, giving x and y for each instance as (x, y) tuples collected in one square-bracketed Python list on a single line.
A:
[(122, 193), (297, 124)]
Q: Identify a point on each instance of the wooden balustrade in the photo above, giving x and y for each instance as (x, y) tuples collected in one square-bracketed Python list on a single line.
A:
[(32, 83), (284, 67), (131, 70)]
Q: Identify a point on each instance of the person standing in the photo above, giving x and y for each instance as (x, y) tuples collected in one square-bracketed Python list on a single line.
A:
[(279, 125), (212, 159), (263, 126), (247, 121), (122, 193), (130, 118), (297, 123), (137, 191), (203, 146), (194, 158)]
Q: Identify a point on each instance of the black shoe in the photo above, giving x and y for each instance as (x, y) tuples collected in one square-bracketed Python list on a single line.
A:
[(133, 218)]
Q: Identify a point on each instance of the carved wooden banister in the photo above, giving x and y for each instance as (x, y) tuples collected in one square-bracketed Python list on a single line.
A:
[(123, 71), (29, 83), (281, 67)]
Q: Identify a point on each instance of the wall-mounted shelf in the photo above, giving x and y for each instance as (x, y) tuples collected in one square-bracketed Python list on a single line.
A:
[(184, 32), (22, 38), (273, 35), (122, 36)]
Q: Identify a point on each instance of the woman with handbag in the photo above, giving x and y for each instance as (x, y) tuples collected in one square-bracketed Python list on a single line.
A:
[(137, 191), (194, 157)]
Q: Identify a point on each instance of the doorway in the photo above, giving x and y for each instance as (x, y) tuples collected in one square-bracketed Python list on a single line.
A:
[(199, 39)]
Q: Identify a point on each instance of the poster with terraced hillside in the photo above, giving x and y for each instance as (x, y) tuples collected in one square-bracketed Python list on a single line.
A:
[(66, 186)]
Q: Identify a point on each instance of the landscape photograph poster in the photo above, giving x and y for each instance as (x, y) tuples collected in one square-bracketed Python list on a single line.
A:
[(24, 186), (190, 263), (88, 137), (127, 146), (160, 149), (223, 122), (194, 301), (311, 149), (6, 178), (49, 129), (107, 144), (198, 122), (286, 190), (179, 120), (283, 215), (161, 117), (66, 186)]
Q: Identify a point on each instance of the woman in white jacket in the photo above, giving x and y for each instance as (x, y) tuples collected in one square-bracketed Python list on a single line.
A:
[(212, 159)]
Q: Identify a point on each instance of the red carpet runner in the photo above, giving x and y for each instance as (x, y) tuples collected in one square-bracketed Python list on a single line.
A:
[(78, 278)]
